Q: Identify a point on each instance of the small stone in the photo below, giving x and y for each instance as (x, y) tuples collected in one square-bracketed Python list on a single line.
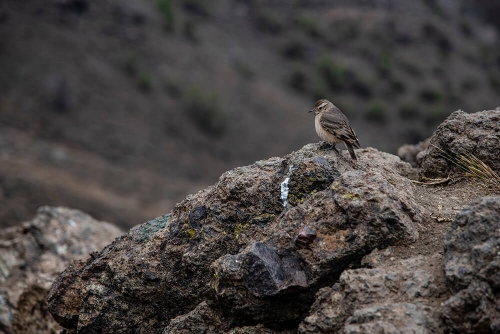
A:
[(306, 236)]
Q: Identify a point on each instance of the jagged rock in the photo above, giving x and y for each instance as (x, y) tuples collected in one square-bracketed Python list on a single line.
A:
[(202, 319), (372, 260), (461, 133), (409, 152), (205, 320), (391, 299), (360, 211), (305, 237), (259, 329), (33, 254), (397, 318), (472, 310), (232, 245), (472, 263), (472, 244)]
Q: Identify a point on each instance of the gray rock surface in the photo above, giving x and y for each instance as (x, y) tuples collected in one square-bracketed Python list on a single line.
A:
[(472, 310), (472, 266), (202, 319), (397, 318), (33, 254), (233, 245), (396, 298), (477, 133), (410, 153)]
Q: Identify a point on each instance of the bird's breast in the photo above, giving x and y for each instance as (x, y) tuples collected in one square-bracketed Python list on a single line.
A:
[(322, 133)]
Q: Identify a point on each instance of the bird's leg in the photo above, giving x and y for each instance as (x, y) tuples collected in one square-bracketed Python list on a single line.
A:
[(332, 146), (328, 146)]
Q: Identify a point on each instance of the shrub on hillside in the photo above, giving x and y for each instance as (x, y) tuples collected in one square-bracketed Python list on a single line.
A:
[(376, 112), (332, 73), (203, 108)]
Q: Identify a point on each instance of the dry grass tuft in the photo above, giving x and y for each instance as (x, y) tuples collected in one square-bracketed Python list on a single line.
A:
[(472, 166)]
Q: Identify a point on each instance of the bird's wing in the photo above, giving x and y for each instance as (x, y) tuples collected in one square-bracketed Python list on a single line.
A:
[(339, 126)]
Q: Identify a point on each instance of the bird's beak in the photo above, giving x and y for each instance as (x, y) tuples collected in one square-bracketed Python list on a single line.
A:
[(312, 110)]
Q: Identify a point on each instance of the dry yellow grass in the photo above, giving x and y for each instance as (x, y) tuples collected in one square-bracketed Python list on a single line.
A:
[(472, 166)]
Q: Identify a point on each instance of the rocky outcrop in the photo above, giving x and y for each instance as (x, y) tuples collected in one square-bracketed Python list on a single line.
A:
[(33, 254), (394, 298), (236, 247), (463, 133), (472, 266), (412, 296), (409, 152), (293, 243)]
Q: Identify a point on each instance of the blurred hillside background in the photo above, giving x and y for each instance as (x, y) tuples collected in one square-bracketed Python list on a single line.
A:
[(121, 108)]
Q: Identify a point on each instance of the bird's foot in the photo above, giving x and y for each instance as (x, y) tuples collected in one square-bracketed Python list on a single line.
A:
[(323, 145), (328, 146)]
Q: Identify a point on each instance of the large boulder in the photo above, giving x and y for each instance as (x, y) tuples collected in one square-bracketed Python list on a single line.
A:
[(462, 133), (472, 267), (249, 252), (33, 254), (416, 295), (392, 298)]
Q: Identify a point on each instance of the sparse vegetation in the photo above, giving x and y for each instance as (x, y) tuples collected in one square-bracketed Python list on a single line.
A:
[(494, 80), (376, 112), (269, 22), (342, 31), (486, 54), (445, 46), (438, 71), (434, 34), (320, 89), (244, 69), (197, 7), (332, 73), (411, 67), (431, 95), (361, 87), (167, 10), (435, 7), (384, 66), (469, 84), (298, 79), (310, 26), (145, 82), (396, 86), (470, 57), (189, 31), (465, 28), (173, 88), (203, 108), (416, 133), (130, 65), (435, 114), (409, 111), (294, 50), (471, 166)]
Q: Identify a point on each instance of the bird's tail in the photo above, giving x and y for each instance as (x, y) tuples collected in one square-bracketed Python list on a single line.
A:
[(351, 151)]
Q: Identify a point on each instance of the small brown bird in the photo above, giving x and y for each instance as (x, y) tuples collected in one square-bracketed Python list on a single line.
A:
[(333, 126)]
